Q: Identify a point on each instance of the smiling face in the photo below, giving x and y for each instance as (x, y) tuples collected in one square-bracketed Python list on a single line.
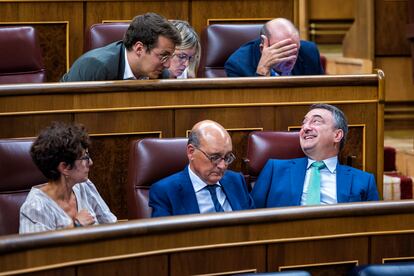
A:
[(319, 137), (180, 61)]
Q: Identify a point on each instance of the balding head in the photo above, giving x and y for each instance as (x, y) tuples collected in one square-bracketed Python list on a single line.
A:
[(279, 29), (208, 139), (208, 131)]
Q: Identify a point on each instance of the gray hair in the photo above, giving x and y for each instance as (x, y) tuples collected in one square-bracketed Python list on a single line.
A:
[(189, 39), (339, 119), (194, 139)]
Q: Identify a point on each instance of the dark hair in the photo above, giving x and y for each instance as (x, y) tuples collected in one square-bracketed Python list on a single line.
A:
[(339, 119), (193, 139), (147, 28), (60, 142)]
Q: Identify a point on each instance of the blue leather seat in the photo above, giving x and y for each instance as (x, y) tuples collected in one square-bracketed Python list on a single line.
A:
[(391, 269)]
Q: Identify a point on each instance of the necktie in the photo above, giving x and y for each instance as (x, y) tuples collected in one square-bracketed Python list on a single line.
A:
[(314, 188), (212, 190)]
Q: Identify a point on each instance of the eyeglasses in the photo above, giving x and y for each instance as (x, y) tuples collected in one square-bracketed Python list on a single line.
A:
[(182, 58), (216, 158), (164, 58), (85, 157)]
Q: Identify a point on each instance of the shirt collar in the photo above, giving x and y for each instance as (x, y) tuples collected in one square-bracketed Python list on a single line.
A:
[(198, 184), (330, 163), (128, 75)]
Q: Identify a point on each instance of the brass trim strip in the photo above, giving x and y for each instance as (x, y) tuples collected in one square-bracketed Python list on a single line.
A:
[(116, 21), (159, 132), (187, 132), (203, 247), (384, 260), (115, 109), (281, 268), (47, 22), (253, 270), (258, 19)]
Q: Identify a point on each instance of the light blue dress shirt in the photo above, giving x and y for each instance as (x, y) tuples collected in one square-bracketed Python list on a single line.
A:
[(328, 181), (205, 203)]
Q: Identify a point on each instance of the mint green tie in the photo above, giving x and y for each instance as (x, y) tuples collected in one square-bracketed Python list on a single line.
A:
[(314, 188)]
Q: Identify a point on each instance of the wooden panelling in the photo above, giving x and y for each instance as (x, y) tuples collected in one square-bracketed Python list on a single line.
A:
[(201, 11), (392, 248), (331, 9), (326, 239), (98, 11), (391, 18), (399, 85), (327, 255), (245, 258), (153, 265), (29, 125)]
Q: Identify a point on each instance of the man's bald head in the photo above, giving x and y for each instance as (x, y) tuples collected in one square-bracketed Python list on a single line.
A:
[(208, 149), (207, 131), (279, 29)]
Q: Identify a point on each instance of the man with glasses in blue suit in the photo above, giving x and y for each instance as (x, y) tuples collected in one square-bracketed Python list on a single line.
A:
[(144, 53), (205, 185), (318, 178)]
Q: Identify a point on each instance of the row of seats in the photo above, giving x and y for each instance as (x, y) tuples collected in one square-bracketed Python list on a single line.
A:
[(22, 60), (150, 160)]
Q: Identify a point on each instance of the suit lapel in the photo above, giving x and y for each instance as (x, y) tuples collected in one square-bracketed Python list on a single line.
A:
[(121, 68), (297, 179), (187, 194), (228, 189), (343, 183)]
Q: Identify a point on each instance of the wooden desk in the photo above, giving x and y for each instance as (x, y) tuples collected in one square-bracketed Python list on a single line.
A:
[(324, 239), (116, 112)]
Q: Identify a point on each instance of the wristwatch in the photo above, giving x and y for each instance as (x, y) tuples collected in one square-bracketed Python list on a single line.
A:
[(76, 223)]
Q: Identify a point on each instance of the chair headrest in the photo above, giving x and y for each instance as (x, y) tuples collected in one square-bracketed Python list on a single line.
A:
[(102, 34), (264, 145), (17, 170), (20, 50)]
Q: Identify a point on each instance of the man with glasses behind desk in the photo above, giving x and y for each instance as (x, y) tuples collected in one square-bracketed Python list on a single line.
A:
[(144, 53), (206, 185)]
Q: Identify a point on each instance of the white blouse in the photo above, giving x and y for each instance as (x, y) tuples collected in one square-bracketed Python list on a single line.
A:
[(41, 213)]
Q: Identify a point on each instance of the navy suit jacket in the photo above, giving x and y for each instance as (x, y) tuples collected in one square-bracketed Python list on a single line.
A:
[(280, 183), (243, 62), (174, 195), (105, 63)]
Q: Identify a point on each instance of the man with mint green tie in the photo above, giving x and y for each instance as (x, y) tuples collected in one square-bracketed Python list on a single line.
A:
[(317, 178)]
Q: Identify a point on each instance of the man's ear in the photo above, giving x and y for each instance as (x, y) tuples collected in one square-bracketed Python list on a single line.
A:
[(190, 152), (139, 48), (339, 134)]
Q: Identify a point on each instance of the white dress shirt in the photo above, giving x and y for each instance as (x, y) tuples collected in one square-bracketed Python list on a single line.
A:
[(205, 203), (328, 181)]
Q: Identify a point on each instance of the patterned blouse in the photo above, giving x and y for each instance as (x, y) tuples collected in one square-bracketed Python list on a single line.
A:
[(40, 213)]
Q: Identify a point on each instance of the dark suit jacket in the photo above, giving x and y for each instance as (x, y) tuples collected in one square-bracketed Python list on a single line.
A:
[(280, 183), (105, 63), (243, 62), (174, 195)]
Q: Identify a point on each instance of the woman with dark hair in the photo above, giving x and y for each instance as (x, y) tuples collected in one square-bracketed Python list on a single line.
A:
[(69, 199)]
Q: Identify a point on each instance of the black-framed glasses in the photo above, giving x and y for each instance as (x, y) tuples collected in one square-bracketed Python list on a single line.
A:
[(182, 58), (216, 158), (86, 156)]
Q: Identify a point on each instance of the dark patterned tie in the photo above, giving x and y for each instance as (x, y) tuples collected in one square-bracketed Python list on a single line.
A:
[(212, 190)]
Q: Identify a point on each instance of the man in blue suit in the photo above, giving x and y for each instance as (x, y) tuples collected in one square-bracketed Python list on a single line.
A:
[(290, 182), (206, 185), (144, 53), (278, 52)]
